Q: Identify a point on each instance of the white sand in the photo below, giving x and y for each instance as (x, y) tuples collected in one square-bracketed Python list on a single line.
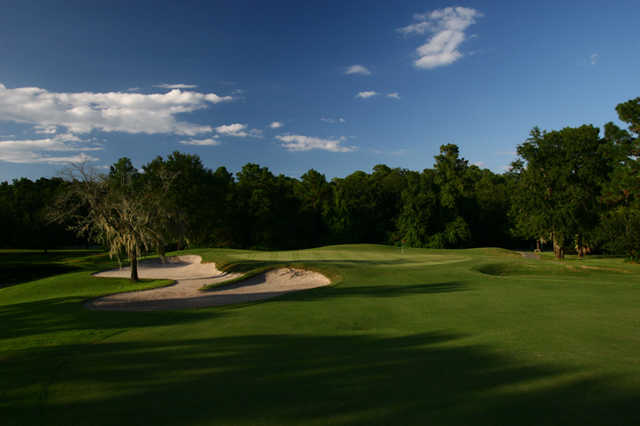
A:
[(191, 275)]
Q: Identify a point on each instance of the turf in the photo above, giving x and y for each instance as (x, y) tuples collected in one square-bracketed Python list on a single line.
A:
[(477, 336), (17, 266)]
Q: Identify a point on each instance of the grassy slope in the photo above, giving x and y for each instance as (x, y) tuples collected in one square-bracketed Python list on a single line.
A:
[(476, 336)]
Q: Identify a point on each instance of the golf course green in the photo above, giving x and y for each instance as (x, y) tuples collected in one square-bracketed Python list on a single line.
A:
[(401, 336)]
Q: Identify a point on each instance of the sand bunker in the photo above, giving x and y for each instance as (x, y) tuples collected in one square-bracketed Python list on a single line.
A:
[(191, 275)]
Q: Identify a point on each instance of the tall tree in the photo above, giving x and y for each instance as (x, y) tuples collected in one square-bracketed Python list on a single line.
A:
[(560, 178), (453, 188), (191, 202), (116, 210), (418, 219), (629, 112), (487, 207), (353, 217), (316, 196), (266, 209), (621, 219)]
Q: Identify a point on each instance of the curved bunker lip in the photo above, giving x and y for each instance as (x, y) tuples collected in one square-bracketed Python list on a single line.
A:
[(191, 275)]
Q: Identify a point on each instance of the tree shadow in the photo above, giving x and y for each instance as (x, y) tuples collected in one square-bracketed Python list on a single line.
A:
[(14, 274), (242, 266), (41, 257), (425, 378), (17, 267), (68, 314), (211, 297), (381, 290)]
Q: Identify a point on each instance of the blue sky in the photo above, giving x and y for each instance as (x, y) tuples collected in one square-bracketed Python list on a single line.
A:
[(95, 81)]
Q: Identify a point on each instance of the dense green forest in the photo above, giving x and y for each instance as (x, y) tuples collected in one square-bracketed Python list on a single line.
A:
[(571, 190)]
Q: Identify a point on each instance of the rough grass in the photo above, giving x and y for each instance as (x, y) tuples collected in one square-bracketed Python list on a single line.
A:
[(478, 336)]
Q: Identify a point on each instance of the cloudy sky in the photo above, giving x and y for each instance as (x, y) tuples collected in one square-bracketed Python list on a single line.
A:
[(336, 86)]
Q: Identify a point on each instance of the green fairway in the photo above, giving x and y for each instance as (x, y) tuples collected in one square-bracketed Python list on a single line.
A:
[(413, 336)]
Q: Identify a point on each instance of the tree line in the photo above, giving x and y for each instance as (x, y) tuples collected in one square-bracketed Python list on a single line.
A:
[(574, 189)]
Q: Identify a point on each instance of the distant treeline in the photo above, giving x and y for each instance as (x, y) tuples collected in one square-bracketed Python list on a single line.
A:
[(452, 205), (23, 215), (572, 189)]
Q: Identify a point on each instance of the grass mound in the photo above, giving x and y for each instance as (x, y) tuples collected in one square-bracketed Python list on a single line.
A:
[(512, 268), (548, 268)]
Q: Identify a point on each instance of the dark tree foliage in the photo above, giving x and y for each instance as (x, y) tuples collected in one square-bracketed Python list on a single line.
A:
[(560, 178), (489, 205), (454, 205), (629, 112), (266, 210), (315, 195), (620, 225), (195, 199), (23, 215), (418, 218)]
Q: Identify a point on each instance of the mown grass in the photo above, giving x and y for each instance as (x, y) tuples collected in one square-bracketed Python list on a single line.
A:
[(17, 266), (477, 336)]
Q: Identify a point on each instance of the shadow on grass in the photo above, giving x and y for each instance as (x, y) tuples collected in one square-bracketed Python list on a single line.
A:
[(381, 290), (69, 314), (427, 378), (21, 273), (210, 298), (546, 269), (243, 266), (41, 257), (19, 267)]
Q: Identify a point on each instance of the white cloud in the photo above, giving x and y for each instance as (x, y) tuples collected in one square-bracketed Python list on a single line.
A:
[(201, 142), (133, 89), (594, 58), (479, 164), (83, 112), (358, 69), (393, 95), (176, 86), (47, 150), (235, 129), (333, 120), (307, 143), (448, 26), (366, 94), (238, 130), (35, 158), (276, 125)]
